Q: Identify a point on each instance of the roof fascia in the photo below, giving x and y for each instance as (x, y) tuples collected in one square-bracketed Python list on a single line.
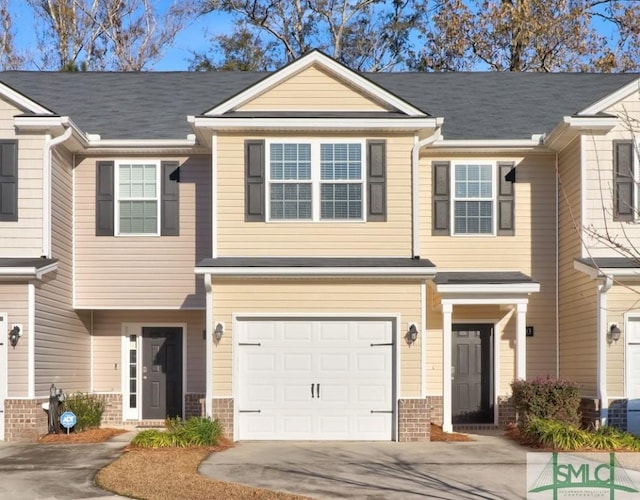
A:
[(304, 62), (22, 101), (220, 123), (614, 272), (407, 272), (487, 288), (572, 126), (31, 272), (609, 100), (533, 144)]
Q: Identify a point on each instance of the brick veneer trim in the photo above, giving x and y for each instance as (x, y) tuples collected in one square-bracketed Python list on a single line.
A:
[(223, 410), (414, 420)]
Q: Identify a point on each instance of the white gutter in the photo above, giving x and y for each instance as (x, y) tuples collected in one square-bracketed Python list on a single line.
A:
[(603, 288), (27, 272), (415, 185), (208, 404), (49, 144), (557, 269), (396, 272), (536, 141), (94, 141), (333, 123)]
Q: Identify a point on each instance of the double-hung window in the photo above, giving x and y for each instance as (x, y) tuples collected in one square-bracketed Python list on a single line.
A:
[(315, 180), (138, 193), (473, 210)]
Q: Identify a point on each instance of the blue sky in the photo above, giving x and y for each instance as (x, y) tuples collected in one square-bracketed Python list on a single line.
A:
[(195, 37)]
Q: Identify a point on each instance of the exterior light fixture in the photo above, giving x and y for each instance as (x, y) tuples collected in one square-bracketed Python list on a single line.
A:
[(14, 335), (613, 335), (218, 331), (412, 334)]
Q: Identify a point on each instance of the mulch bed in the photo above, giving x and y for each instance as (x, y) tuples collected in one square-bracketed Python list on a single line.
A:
[(438, 435), (88, 436)]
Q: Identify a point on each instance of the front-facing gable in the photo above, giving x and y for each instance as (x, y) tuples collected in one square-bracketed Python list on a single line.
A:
[(316, 82)]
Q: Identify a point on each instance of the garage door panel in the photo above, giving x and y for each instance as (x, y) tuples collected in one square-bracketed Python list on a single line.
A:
[(336, 360)]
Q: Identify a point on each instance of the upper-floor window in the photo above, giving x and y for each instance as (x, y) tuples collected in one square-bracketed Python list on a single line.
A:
[(473, 198), (315, 181), (138, 198)]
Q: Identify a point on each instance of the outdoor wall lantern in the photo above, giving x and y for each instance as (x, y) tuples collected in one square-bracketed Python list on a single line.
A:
[(218, 331), (14, 335), (412, 334), (613, 335)]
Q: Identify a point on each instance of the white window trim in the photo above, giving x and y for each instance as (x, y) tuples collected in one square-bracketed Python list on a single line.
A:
[(494, 198), (117, 198), (316, 180)]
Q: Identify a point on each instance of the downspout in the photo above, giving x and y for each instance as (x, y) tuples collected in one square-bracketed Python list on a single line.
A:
[(208, 404), (603, 288), (415, 186), (49, 144), (557, 270)]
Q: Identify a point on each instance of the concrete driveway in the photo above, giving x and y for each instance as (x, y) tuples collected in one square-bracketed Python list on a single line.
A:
[(56, 471), (491, 467)]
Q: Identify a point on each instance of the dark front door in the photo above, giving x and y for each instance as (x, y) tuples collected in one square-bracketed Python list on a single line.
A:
[(472, 374), (161, 372)]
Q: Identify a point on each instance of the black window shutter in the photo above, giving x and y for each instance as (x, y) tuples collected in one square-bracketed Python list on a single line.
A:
[(377, 180), (506, 200), (170, 200), (104, 198), (254, 199), (624, 186), (441, 198), (8, 181)]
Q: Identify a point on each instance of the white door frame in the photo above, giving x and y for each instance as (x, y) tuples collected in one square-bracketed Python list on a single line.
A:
[(4, 368), (395, 370), (128, 329)]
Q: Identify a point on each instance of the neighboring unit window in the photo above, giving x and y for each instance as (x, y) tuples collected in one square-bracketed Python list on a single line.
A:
[(340, 196), (473, 202), (624, 181), (138, 198), (290, 169), (8, 181)]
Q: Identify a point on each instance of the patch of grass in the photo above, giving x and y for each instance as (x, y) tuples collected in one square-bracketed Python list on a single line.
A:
[(198, 431), (167, 474)]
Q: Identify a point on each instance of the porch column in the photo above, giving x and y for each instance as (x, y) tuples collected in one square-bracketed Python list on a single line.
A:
[(208, 403), (521, 341), (447, 310)]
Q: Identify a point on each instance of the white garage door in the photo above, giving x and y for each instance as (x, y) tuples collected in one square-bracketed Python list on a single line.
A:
[(633, 375), (315, 379)]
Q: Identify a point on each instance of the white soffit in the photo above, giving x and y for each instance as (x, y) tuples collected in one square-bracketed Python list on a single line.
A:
[(325, 62)]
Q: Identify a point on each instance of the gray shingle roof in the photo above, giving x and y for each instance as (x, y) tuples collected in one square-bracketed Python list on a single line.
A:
[(481, 277), (611, 262), (27, 262), (154, 105)]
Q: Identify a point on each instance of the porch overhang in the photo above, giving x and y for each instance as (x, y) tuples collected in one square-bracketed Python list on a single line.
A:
[(626, 268), (392, 268), (22, 269)]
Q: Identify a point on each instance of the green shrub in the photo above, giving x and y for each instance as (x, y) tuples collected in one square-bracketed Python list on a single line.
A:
[(198, 431), (88, 409), (548, 399), (567, 437)]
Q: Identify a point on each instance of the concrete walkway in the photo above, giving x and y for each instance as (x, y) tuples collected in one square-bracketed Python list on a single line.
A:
[(56, 471), (491, 467)]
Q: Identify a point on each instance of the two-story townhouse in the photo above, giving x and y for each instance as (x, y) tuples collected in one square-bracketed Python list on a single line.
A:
[(307, 254)]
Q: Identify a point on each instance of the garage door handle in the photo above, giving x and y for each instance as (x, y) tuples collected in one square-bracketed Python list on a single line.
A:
[(312, 396), (381, 411), (376, 345), (246, 343), (318, 390), (248, 411)]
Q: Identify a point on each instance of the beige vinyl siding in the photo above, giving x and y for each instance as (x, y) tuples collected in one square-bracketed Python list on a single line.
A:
[(622, 299), (14, 301), (598, 150), (144, 271), (107, 345), (24, 237), (313, 239), (505, 327), (312, 298), (531, 250), (577, 293), (62, 342), (313, 89)]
